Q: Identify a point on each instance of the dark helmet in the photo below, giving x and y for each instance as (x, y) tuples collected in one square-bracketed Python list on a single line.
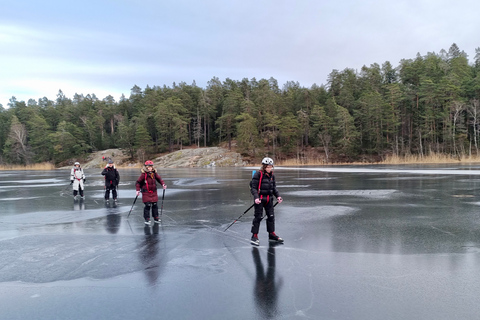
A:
[(110, 161), (149, 163)]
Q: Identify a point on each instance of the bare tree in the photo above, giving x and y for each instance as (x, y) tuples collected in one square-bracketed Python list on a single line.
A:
[(474, 112), (457, 109), (17, 141)]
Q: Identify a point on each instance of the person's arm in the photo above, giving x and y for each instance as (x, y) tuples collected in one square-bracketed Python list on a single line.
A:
[(275, 191), (254, 184), (159, 179), (104, 171), (139, 183), (274, 184)]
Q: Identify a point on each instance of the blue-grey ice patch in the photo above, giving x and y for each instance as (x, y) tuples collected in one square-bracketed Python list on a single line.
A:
[(54, 217), (195, 181), (371, 194), (49, 258), (94, 183), (32, 186)]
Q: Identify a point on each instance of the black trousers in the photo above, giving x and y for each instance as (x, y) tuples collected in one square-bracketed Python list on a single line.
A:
[(75, 192), (107, 192), (258, 216), (146, 210)]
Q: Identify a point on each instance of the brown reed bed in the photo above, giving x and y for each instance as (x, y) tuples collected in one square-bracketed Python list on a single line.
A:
[(36, 166), (433, 158)]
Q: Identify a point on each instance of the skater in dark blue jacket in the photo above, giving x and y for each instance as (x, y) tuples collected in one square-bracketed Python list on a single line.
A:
[(263, 188)]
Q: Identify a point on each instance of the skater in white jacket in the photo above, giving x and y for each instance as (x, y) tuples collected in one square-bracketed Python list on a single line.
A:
[(77, 179)]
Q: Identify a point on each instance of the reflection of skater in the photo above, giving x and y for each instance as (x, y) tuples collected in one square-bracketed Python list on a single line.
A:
[(113, 217), (149, 253), (147, 183), (263, 189), (77, 179), (113, 222), (266, 289), (112, 178), (78, 204)]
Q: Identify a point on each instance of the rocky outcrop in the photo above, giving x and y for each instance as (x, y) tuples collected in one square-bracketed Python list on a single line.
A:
[(200, 157), (186, 158)]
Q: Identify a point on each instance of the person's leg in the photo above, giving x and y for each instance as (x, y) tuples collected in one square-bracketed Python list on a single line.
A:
[(270, 216), (107, 193), (114, 193), (271, 223), (155, 211), (257, 218), (146, 211)]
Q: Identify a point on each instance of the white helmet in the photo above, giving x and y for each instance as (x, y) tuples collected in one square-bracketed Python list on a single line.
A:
[(267, 161), (76, 163)]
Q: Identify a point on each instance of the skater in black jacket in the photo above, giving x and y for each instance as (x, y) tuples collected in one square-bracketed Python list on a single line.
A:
[(112, 179), (263, 189)]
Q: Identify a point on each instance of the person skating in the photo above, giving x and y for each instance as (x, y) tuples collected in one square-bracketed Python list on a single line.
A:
[(112, 179), (77, 180), (147, 184), (263, 190)]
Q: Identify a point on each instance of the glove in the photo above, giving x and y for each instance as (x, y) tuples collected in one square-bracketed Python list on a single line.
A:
[(279, 199), (138, 193), (71, 182), (84, 180), (258, 201), (164, 186)]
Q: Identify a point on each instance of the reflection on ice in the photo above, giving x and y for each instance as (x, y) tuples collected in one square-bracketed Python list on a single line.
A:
[(15, 199), (293, 186), (195, 181), (23, 181), (368, 170), (354, 193)]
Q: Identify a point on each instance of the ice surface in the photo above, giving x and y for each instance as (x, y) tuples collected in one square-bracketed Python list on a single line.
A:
[(360, 243)]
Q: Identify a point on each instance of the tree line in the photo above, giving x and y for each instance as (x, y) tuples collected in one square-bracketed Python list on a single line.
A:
[(430, 104)]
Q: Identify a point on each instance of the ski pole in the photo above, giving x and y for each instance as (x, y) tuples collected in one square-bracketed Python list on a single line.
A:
[(161, 210), (132, 206), (239, 217)]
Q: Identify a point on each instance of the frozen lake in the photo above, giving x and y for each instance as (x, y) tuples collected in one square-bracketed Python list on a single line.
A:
[(373, 242)]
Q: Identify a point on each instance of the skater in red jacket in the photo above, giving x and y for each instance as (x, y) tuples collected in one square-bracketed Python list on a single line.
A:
[(147, 184)]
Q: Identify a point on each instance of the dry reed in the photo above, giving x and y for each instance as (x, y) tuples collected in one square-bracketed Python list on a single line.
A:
[(432, 158), (35, 166)]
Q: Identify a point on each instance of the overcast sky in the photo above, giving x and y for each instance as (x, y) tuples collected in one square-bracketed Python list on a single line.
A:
[(108, 46)]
